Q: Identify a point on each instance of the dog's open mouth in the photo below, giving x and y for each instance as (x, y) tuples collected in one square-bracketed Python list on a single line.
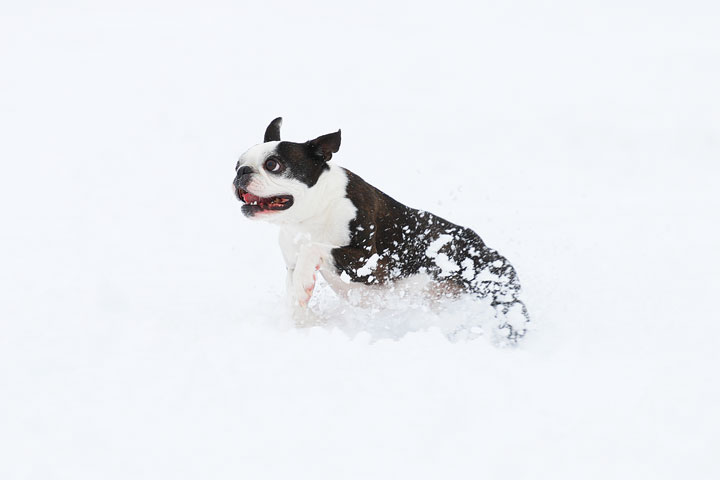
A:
[(253, 203)]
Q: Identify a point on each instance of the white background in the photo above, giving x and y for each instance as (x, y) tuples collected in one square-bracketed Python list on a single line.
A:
[(140, 329)]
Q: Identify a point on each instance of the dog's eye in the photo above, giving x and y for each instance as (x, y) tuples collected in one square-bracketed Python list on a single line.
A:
[(272, 165)]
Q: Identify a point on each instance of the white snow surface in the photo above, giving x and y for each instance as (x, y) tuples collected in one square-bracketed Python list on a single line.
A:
[(141, 328)]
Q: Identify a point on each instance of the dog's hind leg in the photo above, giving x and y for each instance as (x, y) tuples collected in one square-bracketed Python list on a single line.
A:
[(513, 319), (489, 275)]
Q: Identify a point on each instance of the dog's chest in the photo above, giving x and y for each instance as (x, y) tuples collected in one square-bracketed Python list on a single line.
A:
[(320, 234)]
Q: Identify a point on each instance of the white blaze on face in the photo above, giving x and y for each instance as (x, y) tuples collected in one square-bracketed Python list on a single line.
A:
[(264, 183)]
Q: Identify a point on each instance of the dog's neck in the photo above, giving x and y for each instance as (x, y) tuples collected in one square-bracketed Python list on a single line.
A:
[(325, 213)]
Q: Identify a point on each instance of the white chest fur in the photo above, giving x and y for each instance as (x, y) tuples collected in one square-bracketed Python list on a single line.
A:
[(306, 244)]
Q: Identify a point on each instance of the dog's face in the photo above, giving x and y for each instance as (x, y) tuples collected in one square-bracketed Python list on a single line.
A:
[(275, 179)]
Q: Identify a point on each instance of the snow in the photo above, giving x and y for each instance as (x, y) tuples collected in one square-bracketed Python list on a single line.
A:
[(468, 269), (446, 265), (437, 244), (369, 266), (142, 330)]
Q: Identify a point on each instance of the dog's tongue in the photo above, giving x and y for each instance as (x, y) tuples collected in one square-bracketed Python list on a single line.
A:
[(249, 198)]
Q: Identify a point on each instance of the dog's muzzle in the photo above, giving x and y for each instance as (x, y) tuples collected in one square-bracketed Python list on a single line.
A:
[(243, 177)]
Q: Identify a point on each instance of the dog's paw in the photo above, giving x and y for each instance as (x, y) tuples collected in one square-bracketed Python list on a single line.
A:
[(306, 317), (303, 285)]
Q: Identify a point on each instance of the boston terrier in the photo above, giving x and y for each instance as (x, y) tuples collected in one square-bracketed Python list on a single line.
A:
[(356, 236)]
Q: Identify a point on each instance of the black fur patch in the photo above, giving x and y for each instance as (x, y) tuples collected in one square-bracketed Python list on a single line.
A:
[(325, 145), (304, 162), (272, 132), (405, 240), (301, 162)]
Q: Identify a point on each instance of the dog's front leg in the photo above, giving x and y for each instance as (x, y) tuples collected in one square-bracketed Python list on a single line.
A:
[(301, 279), (303, 259)]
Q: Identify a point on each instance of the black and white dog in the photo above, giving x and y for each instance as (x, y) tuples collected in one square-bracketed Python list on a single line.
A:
[(334, 222)]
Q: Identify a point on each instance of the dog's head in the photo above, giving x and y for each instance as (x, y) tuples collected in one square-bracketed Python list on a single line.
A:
[(274, 179)]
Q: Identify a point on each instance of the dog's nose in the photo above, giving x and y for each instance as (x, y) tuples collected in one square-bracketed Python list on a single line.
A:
[(243, 177), (244, 171)]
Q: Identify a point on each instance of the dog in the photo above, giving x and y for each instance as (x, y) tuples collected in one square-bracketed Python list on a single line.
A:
[(333, 222)]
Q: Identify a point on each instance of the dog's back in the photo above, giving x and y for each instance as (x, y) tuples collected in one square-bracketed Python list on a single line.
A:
[(390, 241)]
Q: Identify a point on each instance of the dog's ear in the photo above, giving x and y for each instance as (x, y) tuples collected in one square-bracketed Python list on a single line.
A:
[(325, 145), (272, 132)]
